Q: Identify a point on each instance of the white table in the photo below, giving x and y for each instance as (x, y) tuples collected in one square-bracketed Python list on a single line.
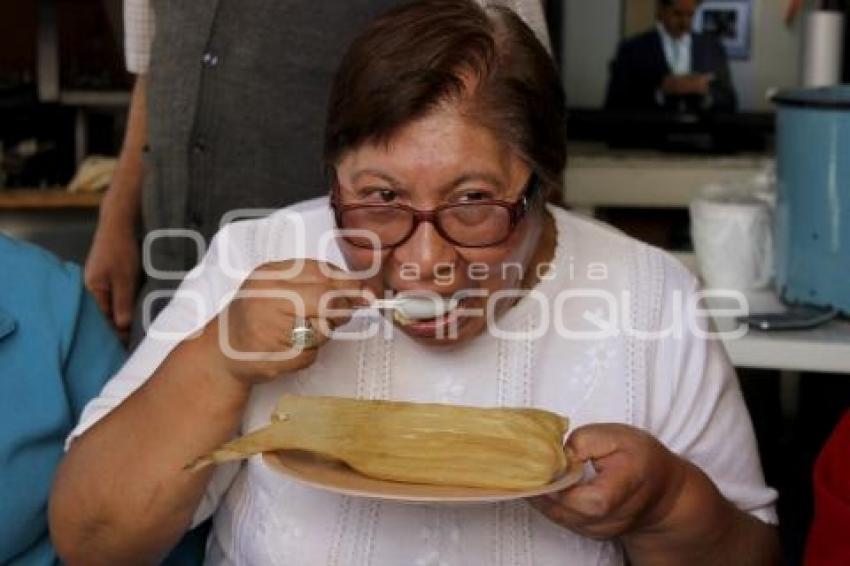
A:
[(823, 349), (598, 176)]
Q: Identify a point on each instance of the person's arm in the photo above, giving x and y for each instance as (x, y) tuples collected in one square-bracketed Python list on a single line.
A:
[(123, 493), (724, 511), (722, 89), (686, 487), (703, 527), (662, 508), (112, 266)]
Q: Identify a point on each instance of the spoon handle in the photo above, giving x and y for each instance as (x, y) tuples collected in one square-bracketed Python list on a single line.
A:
[(385, 304)]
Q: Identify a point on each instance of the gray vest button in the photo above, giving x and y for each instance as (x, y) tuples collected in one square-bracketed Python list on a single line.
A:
[(210, 59)]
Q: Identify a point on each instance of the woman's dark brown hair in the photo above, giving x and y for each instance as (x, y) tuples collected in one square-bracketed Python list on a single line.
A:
[(426, 53)]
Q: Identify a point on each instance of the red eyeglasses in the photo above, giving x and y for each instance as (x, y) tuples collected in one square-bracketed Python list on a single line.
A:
[(468, 225)]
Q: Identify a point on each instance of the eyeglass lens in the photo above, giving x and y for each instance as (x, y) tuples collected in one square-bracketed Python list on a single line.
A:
[(465, 225)]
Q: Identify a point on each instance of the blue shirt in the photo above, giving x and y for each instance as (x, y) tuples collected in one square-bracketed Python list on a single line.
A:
[(56, 352)]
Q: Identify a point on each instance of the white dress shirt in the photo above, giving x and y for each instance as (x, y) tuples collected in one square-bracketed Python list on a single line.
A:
[(676, 51)]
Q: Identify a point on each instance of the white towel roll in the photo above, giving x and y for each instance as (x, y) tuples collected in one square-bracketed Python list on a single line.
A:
[(823, 45)]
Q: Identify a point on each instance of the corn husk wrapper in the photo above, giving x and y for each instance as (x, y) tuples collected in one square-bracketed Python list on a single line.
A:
[(501, 448), (94, 174)]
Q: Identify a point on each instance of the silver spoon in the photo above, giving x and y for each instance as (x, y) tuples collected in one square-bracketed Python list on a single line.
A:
[(417, 308)]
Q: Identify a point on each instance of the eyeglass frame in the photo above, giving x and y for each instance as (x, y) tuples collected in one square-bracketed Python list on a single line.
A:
[(516, 210)]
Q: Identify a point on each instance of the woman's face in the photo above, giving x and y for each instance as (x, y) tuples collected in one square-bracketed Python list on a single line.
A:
[(442, 158)]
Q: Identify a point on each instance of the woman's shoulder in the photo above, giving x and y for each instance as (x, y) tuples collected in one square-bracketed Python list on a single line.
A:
[(35, 276), (41, 291), (602, 257), (307, 216), (303, 230), (26, 260), (603, 249)]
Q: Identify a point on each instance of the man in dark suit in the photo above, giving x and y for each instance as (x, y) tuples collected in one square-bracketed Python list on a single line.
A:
[(671, 67)]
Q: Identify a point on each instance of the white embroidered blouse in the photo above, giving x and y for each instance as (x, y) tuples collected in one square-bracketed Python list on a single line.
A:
[(679, 387)]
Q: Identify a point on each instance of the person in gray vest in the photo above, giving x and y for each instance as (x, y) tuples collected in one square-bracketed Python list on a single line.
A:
[(226, 115)]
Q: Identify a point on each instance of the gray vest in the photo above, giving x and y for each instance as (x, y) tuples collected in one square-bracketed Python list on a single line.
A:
[(236, 104)]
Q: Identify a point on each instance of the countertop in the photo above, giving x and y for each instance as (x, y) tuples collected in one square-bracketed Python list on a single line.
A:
[(822, 349), (598, 176), (590, 154), (47, 199)]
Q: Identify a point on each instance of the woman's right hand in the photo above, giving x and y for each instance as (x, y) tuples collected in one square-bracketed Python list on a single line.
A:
[(251, 337)]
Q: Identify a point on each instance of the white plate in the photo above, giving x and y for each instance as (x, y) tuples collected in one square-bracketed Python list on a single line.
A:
[(336, 477)]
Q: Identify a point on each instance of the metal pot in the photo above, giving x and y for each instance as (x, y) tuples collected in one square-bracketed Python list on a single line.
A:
[(812, 226)]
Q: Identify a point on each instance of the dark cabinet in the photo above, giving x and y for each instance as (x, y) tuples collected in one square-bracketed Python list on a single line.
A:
[(63, 87)]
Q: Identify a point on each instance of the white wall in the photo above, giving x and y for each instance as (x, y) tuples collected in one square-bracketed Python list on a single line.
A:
[(774, 57), (593, 29)]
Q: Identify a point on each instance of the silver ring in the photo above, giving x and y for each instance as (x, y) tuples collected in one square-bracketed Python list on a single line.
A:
[(303, 335)]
